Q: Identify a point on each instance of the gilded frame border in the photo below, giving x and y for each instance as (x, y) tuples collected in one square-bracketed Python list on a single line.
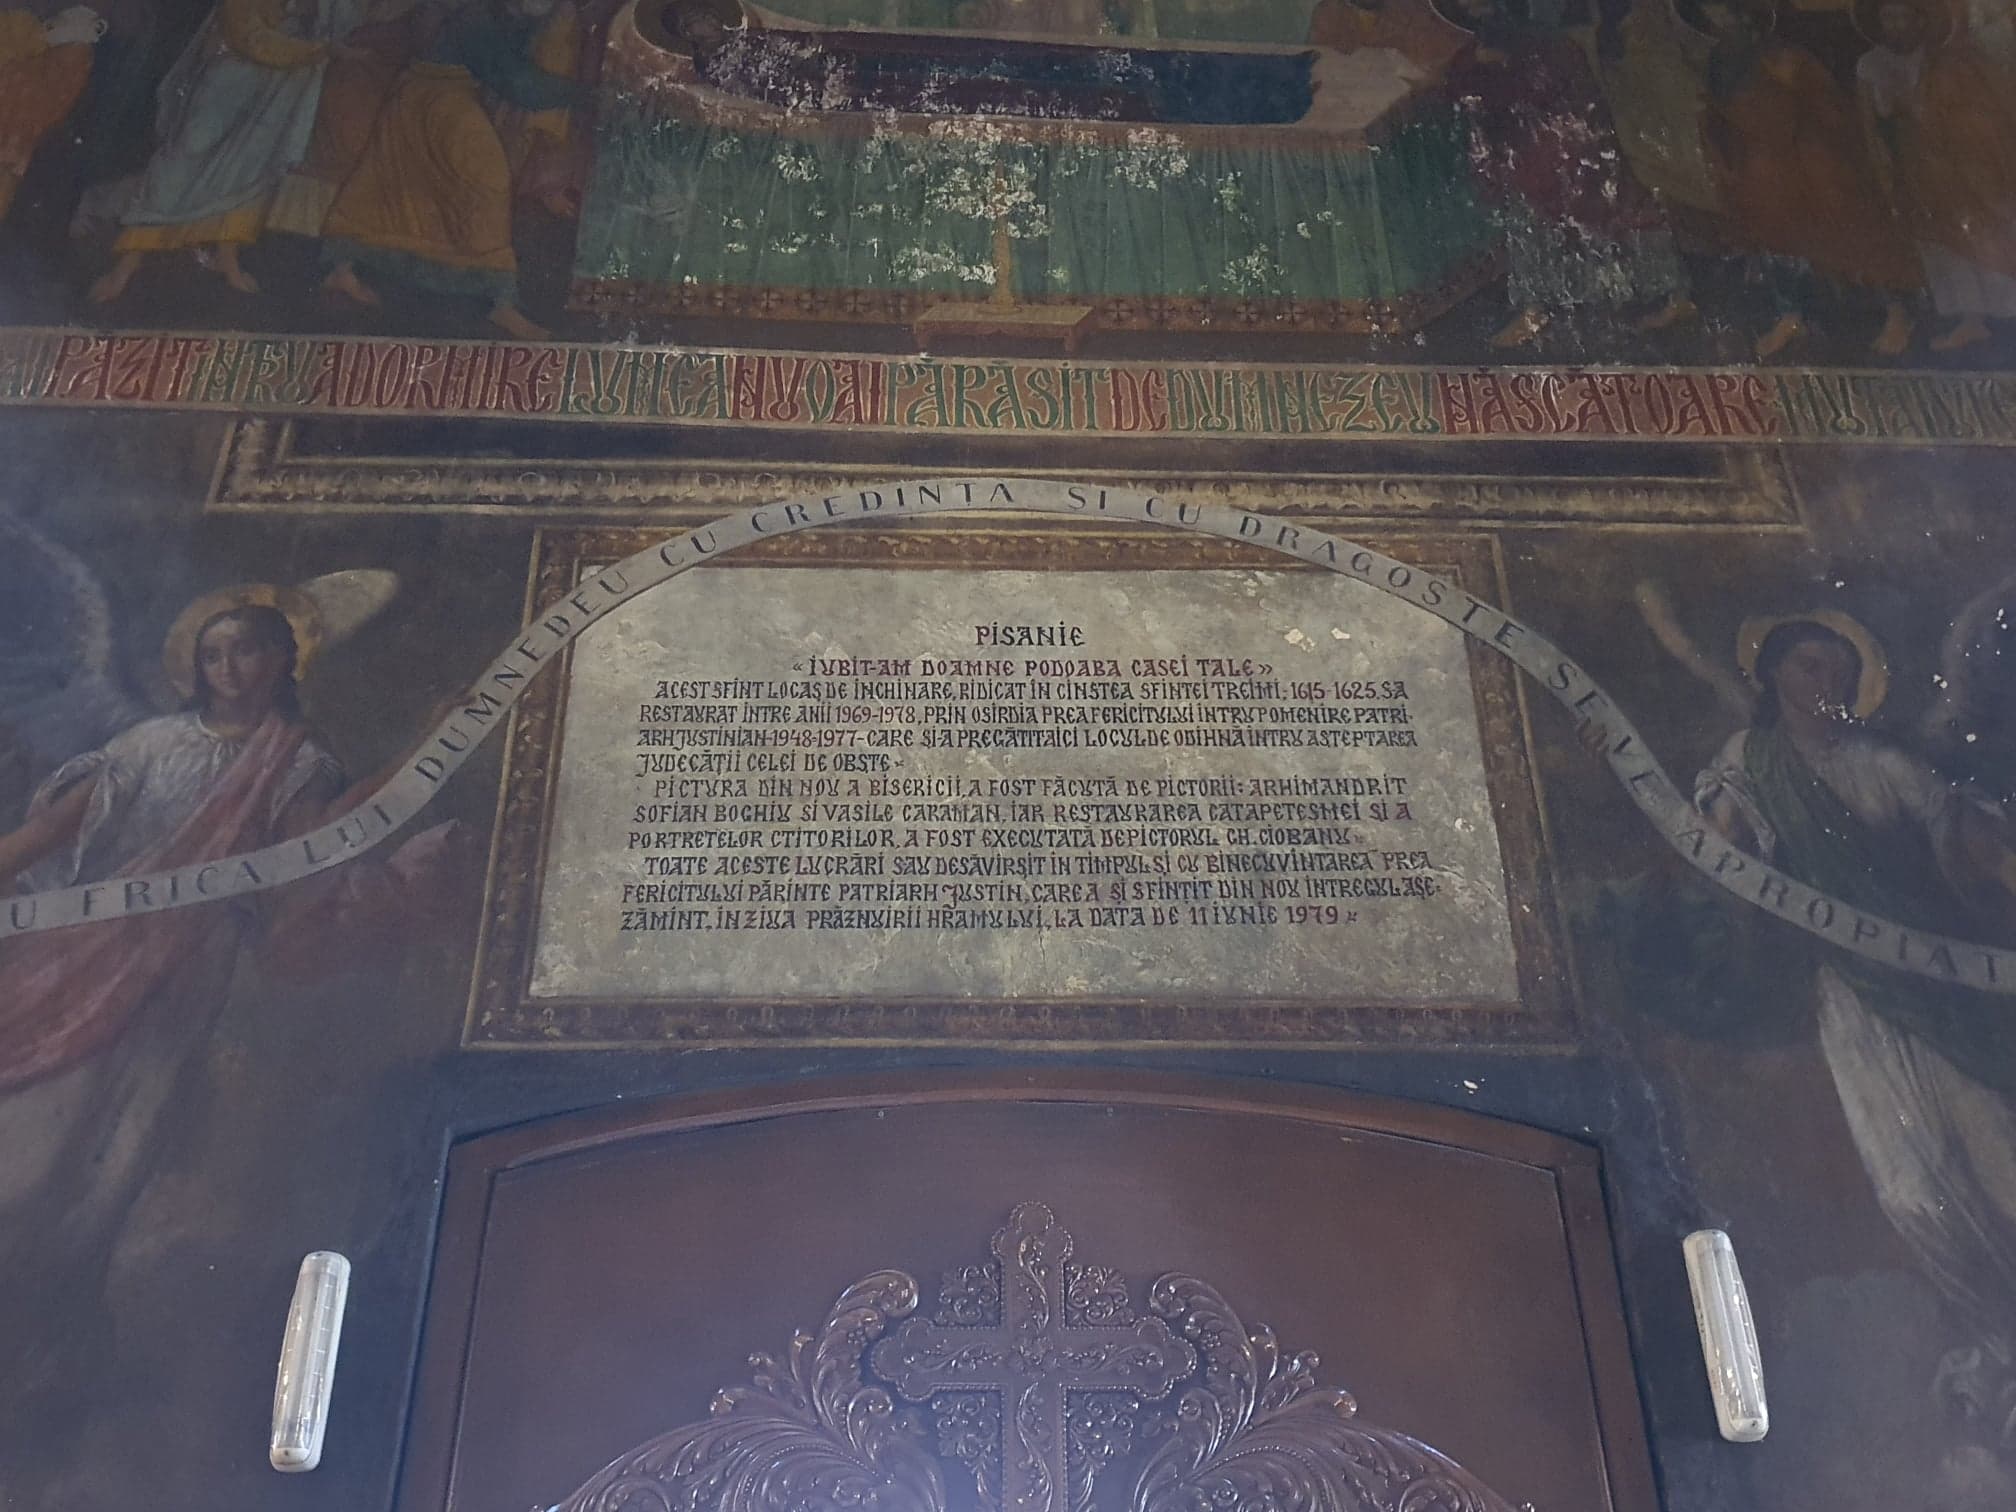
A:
[(261, 470)]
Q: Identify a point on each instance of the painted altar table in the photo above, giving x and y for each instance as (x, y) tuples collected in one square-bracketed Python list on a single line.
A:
[(873, 176)]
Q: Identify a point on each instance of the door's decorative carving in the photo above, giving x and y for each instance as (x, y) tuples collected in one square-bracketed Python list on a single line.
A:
[(1034, 1375), (809, 1434), (1036, 1359)]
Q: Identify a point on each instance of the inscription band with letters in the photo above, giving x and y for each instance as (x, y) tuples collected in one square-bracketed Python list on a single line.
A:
[(827, 392)]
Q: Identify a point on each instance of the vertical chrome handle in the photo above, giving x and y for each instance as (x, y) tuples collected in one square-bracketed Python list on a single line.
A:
[(308, 1362), (1728, 1337)]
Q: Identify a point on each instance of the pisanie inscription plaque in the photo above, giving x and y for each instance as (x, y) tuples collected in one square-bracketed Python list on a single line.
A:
[(908, 794)]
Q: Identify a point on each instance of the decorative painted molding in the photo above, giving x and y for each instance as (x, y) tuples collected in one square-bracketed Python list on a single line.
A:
[(288, 466)]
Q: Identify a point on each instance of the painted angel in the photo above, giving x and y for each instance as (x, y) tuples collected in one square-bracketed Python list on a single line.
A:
[(234, 769), (100, 1022), (1926, 1072)]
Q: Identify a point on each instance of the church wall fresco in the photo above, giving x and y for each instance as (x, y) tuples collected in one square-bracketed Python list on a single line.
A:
[(1600, 181), (346, 347)]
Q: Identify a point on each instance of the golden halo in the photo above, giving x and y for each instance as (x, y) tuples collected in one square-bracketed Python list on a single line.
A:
[(1870, 689), (178, 651), (324, 611)]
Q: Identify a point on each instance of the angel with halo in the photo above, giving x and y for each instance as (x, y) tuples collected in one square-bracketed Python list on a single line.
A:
[(1926, 1071), (97, 1021), (234, 769)]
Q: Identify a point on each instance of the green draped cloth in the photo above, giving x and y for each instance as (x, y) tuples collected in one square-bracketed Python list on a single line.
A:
[(1891, 873), (674, 201)]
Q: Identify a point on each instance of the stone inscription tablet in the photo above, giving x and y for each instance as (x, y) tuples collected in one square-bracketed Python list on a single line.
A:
[(1255, 804), (853, 783)]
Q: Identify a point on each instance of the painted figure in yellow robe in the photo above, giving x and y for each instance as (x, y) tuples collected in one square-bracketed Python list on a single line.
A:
[(43, 69), (1944, 124), (354, 89), (1800, 195), (430, 203), (236, 112)]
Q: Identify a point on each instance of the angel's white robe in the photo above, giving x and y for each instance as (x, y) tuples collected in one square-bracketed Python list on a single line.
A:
[(1939, 1146), (151, 779), (81, 1142)]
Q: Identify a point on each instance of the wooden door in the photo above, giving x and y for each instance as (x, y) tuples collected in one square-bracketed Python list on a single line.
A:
[(1068, 1292)]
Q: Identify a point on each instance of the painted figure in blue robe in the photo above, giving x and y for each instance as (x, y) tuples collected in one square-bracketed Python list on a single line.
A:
[(236, 113)]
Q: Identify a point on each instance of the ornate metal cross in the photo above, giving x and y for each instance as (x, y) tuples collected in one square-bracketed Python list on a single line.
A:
[(1033, 1331)]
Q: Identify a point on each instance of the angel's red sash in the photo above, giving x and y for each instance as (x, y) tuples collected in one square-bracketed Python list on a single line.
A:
[(69, 993)]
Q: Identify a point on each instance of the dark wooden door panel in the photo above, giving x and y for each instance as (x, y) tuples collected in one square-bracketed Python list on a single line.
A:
[(602, 1277)]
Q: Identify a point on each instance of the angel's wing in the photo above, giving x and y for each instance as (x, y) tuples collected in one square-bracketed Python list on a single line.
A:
[(1970, 728), (60, 691), (1664, 623)]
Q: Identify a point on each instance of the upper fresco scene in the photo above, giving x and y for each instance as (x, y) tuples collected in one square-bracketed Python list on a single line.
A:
[(1400, 181)]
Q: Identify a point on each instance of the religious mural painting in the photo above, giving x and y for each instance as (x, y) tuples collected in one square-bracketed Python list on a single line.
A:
[(1818, 778), (134, 790), (1684, 182), (1307, 540)]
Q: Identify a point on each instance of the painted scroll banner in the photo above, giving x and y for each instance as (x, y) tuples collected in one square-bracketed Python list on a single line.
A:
[(1984, 968), (864, 393), (1161, 785)]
